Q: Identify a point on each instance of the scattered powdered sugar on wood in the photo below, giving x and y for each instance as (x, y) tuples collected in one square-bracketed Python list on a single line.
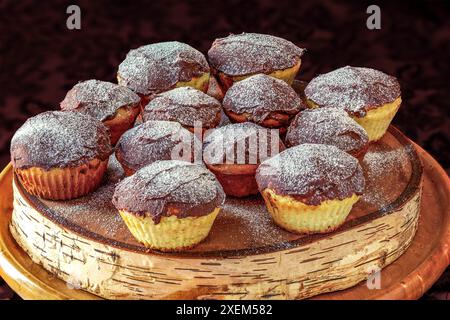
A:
[(253, 219), (249, 53), (383, 170), (95, 211), (354, 89), (99, 99), (185, 105)]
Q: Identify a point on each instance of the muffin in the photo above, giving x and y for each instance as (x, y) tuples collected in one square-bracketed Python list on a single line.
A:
[(330, 126), (263, 100), (310, 188), (159, 67), (370, 96), (116, 106), (169, 205), (238, 56), (188, 106), (153, 141), (234, 152), (214, 89), (60, 155)]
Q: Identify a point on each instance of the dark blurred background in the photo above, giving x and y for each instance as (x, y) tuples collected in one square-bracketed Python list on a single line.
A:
[(40, 59)]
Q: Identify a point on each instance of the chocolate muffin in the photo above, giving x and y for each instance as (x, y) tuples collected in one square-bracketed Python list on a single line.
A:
[(169, 205), (214, 89), (263, 100), (153, 141), (159, 67), (185, 105), (310, 188), (116, 106), (330, 126), (370, 96), (60, 155), (238, 56), (233, 153)]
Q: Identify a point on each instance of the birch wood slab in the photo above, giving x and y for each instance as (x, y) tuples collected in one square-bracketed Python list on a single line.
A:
[(244, 257)]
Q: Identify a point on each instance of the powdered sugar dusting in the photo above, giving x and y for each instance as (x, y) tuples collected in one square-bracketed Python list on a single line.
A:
[(154, 188), (330, 126), (241, 143), (242, 223), (313, 173), (253, 218), (99, 99), (158, 67), (249, 53), (59, 139), (156, 140), (354, 89), (259, 95), (384, 168), (185, 105)]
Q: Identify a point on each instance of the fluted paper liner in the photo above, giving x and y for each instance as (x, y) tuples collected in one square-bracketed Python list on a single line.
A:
[(171, 233), (287, 75), (295, 216), (63, 183), (377, 121)]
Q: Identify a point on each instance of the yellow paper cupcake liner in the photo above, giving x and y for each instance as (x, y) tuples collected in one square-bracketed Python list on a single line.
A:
[(63, 183), (200, 83), (297, 217), (377, 121), (171, 233), (287, 75)]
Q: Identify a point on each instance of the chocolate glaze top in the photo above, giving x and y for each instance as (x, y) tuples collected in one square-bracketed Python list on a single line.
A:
[(259, 95), (250, 53), (59, 139), (156, 140), (312, 173), (184, 105), (241, 143), (327, 126), (99, 99), (158, 67), (170, 187), (354, 89)]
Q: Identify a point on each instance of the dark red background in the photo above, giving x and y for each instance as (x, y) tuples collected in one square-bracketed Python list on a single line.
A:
[(40, 59)]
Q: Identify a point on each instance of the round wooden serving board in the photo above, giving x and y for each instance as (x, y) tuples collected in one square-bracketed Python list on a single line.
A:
[(85, 243)]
